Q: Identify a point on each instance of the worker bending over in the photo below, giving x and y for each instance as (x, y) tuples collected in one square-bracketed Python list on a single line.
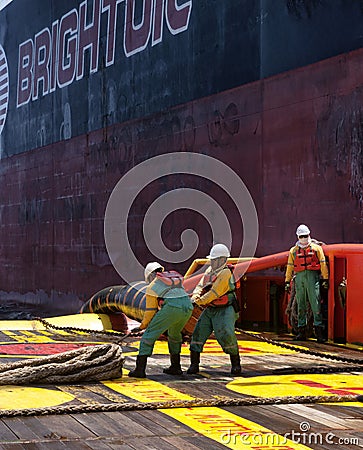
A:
[(168, 308)]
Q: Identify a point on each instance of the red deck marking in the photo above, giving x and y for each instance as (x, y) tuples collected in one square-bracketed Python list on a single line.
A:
[(248, 349), (311, 383), (336, 391), (40, 348)]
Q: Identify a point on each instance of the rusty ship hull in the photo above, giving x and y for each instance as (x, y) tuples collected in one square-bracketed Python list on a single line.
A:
[(88, 90)]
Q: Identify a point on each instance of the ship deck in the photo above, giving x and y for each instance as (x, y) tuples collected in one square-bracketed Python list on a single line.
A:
[(265, 425)]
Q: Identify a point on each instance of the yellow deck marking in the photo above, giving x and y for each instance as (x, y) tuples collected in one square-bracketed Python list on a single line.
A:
[(230, 430), (300, 385), (212, 347), (27, 337), (51, 333), (58, 332), (43, 337), (221, 426), (246, 348), (17, 397), (87, 321)]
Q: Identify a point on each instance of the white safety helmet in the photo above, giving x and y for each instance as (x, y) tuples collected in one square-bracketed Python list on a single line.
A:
[(302, 230), (150, 268), (218, 251)]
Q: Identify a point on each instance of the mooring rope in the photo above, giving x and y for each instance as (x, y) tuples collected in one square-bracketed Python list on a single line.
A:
[(194, 403), (90, 363)]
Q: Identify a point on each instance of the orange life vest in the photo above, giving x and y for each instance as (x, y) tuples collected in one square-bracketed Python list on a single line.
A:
[(225, 299), (172, 279), (306, 259)]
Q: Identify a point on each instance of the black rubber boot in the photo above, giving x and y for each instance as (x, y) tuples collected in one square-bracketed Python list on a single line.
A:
[(301, 334), (139, 371), (175, 368), (320, 335), (236, 364), (194, 362)]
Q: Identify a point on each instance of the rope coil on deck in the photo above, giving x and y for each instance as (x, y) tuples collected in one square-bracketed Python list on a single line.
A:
[(195, 403), (90, 363)]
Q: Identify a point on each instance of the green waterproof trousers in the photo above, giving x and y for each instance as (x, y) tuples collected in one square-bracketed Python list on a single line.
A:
[(221, 321), (308, 289), (168, 318)]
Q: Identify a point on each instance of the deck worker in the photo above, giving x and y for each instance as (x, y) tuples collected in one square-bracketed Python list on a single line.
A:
[(216, 292), (168, 307), (307, 261)]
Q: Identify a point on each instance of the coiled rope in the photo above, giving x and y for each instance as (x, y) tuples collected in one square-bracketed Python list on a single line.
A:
[(195, 403), (91, 363)]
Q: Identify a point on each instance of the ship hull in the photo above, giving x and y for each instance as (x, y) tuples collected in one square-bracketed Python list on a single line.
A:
[(291, 134)]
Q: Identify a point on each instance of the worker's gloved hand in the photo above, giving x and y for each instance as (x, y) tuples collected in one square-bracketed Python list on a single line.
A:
[(136, 330), (325, 284), (195, 302), (206, 288), (287, 287)]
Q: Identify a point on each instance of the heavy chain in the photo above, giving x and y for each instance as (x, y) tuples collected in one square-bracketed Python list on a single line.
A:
[(315, 369), (195, 403), (248, 333), (77, 330), (300, 349), (113, 334)]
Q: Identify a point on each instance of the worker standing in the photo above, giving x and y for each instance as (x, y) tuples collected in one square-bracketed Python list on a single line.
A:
[(307, 261), (216, 292), (168, 307)]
